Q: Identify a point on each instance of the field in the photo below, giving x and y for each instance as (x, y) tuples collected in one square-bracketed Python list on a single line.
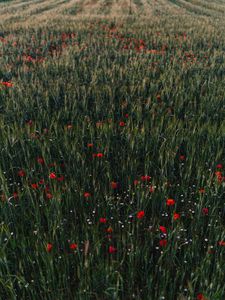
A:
[(112, 138)]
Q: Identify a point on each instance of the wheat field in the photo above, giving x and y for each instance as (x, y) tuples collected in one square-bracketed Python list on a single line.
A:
[(112, 139)]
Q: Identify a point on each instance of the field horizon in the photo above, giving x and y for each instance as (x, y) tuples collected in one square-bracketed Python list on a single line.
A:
[(40, 10)]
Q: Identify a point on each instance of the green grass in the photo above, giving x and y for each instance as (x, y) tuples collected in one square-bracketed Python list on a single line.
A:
[(72, 10), (138, 2), (148, 95)]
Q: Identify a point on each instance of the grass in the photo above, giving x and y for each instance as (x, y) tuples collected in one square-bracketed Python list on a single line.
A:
[(102, 120)]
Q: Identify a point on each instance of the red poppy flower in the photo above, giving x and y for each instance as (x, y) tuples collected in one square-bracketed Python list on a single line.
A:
[(220, 179), (90, 145), (136, 182), (151, 189), (122, 124), (201, 190), (87, 195), (205, 211), (52, 175), (158, 97), (146, 178), (163, 229), (42, 181), (99, 155), (141, 47), (218, 173), (49, 247), (114, 185), (15, 195), (163, 243), (30, 122), (40, 160), (221, 243), (47, 188), (102, 220), (112, 249), (170, 202), (109, 230), (219, 176), (140, 214), (176, 216), (61, 178), (219, 166), (73, 246), (34, 186), (7, 83), (49, 195), (21, 173), (182, 157), (200, 296)]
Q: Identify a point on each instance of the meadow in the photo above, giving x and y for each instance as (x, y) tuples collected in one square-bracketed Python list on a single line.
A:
[(112, 138)]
